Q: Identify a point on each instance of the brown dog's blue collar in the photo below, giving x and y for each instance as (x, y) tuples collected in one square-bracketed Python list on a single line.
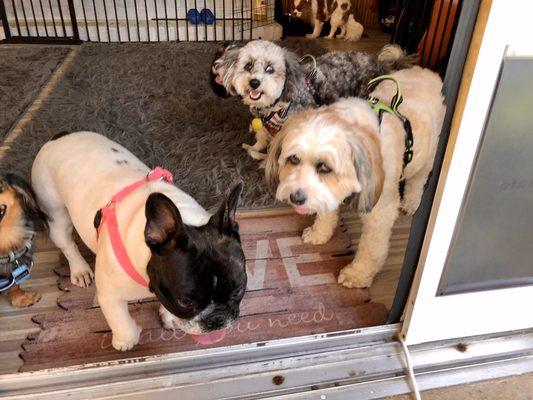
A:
[(15, 267)]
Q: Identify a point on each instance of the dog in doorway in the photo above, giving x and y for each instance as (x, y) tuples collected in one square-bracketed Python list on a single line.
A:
[(324, 156), (18, 212), (150, 238), (339, 13)]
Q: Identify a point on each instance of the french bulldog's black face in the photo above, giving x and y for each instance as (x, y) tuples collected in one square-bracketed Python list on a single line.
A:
[(197, 273)]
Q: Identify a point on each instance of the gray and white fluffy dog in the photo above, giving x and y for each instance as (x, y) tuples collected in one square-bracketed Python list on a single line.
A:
[(276, 83)]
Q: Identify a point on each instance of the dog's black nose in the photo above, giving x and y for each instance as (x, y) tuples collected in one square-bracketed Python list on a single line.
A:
[(214, 322), (254, 83), (298, 198)]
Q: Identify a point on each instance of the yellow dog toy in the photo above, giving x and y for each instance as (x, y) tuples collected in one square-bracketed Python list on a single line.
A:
[(257, 124)]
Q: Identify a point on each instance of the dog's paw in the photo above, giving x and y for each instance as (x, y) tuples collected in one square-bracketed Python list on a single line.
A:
[(255, 154), (167, 319), (127, 343), (355, 276), (328, 37), (81, 275), (410, 204), (310, 36), (315, 236), (24, 299)]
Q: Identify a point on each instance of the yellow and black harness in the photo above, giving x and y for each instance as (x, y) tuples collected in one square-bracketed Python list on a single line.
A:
[(380, 108)]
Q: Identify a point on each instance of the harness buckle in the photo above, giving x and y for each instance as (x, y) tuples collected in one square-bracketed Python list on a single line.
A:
[(21, 273), (18, 275), (407, 156), (161, 175)]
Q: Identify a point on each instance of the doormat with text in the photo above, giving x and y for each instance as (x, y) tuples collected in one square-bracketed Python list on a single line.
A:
[(292, 291)]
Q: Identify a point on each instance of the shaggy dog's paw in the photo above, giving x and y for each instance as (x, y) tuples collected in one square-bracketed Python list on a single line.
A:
[(81, 275), (128, 341), (410, 204), (315, 236), (355, 276), (310, 36), (167, 318), (24, 298), (328, 37), (256, 155)]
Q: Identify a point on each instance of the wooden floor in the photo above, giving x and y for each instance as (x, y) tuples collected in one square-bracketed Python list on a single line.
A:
[(16, 324)]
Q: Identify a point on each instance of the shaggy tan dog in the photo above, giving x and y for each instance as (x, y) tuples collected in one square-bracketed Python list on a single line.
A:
[(323, 156)]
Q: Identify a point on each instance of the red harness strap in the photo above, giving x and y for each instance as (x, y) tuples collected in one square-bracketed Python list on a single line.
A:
[(109, 215)]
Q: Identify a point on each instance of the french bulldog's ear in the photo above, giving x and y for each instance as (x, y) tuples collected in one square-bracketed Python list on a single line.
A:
[(164, 229), (224, 218)]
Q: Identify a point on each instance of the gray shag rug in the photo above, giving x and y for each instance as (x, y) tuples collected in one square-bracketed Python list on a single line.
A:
[(155, 100), (23, 72)]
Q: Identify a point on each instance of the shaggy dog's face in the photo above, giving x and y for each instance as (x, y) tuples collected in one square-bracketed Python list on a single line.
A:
[(319, 159), (315, 169), (302, 10), (260, 73)]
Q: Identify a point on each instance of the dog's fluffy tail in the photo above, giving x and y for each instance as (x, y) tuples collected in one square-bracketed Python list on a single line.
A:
[(354, 30), (394, 58)]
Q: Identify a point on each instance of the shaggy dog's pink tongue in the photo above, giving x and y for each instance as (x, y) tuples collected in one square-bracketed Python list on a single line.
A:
[(301, 210), (211, 337), (255, 94), (218, 79)]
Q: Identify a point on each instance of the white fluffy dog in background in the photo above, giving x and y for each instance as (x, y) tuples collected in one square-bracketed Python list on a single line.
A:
[(323, 156)]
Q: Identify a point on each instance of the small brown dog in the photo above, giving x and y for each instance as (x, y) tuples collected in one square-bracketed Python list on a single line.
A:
[(18, 210)]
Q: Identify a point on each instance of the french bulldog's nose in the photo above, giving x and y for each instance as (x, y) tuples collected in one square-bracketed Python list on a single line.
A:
[(214, 322), (254, 83), (298, 198)]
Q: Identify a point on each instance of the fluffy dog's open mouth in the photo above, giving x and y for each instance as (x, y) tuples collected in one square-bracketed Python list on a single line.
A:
[(255, 94), (3, 210), (301, 210)]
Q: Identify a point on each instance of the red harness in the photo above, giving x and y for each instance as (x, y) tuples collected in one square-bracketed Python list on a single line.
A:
[(109, 215)]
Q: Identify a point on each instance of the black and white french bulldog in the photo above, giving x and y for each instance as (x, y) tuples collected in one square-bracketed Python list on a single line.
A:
[(192, 261)]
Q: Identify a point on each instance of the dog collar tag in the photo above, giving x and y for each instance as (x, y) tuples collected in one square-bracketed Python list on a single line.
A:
[(257, 124), (21, 273)]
